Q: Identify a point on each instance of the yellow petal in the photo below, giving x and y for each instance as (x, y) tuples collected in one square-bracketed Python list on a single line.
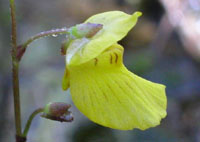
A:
[(65, 81), (110, 95), (116, 25)]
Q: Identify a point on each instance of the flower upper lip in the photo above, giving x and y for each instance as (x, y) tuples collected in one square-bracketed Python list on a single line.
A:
[(116, 25)]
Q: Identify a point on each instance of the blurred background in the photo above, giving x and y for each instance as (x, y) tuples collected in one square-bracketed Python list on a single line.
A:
[(163, 47)]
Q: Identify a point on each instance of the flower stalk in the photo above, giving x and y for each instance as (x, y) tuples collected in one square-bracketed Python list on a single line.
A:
[(30, 119), (15, 70), (87, 30), (22, 48)]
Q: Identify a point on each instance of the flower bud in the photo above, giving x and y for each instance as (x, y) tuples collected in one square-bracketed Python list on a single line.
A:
[(58, 111), (87, 30)]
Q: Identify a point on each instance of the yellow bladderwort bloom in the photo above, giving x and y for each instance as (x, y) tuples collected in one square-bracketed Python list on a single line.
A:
[(102, 88)]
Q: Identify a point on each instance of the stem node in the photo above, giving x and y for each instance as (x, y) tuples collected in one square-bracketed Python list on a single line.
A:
[(20, 139)]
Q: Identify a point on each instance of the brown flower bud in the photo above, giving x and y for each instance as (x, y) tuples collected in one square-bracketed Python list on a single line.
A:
[(58, 111), (87, 30)]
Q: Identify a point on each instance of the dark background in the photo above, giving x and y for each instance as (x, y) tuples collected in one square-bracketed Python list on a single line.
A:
[(163, 47)]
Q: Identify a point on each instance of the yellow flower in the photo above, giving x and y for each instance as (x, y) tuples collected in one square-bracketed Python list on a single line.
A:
[(102, 88)]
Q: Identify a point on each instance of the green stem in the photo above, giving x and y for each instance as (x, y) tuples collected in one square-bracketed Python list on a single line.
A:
[(22, 48), (14, 25), (44, 34), (16, 96), (30, 119), (15, 69)]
